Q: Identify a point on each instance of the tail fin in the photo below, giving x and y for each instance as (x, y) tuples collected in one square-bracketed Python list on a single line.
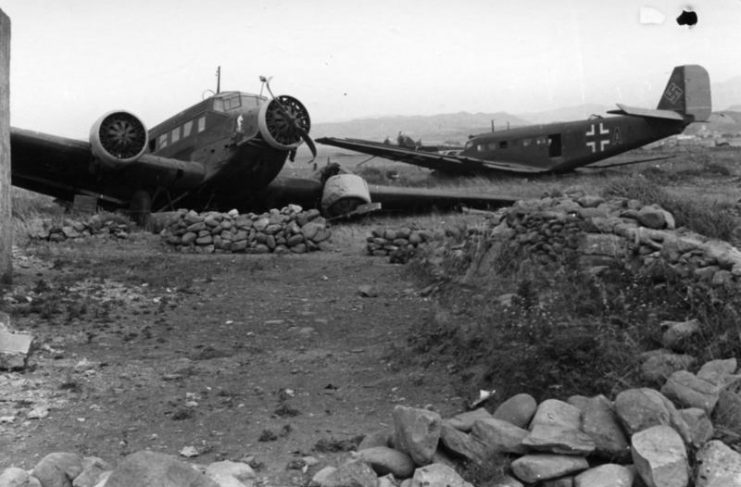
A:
[(688, 93)]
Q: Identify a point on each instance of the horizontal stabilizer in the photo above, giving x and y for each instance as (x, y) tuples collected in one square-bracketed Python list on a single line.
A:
[(647, 113)]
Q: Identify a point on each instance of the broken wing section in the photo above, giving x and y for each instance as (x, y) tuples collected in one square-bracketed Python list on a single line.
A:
[(308, 193), (405, 199), (432, 160)]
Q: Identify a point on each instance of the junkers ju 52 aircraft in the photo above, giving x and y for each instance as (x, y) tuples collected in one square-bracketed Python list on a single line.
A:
[(221, 153), (562, 147)]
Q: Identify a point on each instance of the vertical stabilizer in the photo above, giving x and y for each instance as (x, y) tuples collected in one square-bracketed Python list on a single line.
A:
[(688, 93)]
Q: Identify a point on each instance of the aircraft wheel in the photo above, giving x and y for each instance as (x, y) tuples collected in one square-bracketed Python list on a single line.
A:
[(140, 208), (343, 206)]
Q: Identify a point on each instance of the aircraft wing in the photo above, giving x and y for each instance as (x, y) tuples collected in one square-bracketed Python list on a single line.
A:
[(405, 199), (308, 193), (63, 167), (431, 160)]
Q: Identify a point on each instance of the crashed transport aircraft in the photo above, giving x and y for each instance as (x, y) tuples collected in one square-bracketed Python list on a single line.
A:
[(224, 152), (565, 146)]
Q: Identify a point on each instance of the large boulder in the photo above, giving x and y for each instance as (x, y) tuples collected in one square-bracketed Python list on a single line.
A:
[(638, 409), (385, 460), (463, 445), (653, 216), (700, 426), (58, 469), (607, 475), (351, 474), (688, 390), (518, 410), (538, 467), (555, 428), (417, 432), (499, 436), (727, 411), (660, 457), (17, 477), (718, 372), (93, 469), (599, 422), (225, 470), (437, 475), (376, 438), (464, 421), (658, 365), (717, 466), (147, 468)]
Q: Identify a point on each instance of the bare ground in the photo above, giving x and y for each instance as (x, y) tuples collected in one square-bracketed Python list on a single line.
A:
[(239, 356)]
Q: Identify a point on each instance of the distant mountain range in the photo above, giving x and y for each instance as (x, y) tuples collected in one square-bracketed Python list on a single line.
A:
[(449, 127), (456, 127), (727, 122)]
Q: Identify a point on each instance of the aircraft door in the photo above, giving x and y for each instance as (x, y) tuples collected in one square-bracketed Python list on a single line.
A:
[(554, 145)]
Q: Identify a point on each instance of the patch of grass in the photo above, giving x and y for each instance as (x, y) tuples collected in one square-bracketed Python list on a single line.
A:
[(709, 218)]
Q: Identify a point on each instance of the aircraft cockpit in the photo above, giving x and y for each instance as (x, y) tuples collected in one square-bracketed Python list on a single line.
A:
[(234, 101)]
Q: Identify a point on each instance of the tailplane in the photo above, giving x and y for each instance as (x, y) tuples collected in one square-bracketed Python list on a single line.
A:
[(686, 97)]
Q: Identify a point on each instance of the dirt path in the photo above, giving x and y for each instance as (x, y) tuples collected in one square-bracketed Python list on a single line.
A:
[(235, 356)]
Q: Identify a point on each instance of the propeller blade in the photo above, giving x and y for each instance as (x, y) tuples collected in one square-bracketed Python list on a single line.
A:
[(307, 139)]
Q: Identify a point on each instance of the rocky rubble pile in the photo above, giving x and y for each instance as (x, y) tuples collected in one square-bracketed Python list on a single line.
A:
[(279, 231), (601, 232), (143, 468), (67, 228), (387, 241), (644, 437)]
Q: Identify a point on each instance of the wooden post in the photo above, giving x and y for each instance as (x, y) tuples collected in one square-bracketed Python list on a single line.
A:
[(6, 227)]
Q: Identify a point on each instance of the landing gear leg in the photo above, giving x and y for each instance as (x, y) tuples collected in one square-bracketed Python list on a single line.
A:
[(140, 208)]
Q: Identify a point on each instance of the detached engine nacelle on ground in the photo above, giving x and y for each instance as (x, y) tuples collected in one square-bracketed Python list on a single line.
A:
[(118, 138), (343, 193)]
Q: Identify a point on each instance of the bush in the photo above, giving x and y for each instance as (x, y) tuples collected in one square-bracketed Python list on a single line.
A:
[(564, 332)]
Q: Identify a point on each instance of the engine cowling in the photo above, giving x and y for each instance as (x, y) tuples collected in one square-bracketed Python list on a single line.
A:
[(283, 121), (117, 138), (343, 193)]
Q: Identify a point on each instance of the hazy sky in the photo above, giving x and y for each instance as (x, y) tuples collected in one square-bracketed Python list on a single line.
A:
[(73, 60)]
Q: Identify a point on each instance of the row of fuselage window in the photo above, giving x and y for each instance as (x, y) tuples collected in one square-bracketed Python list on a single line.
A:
[(504, 144), (172, 136)]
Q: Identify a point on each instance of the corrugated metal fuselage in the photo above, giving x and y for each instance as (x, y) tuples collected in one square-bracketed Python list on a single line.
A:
[(564, 146)]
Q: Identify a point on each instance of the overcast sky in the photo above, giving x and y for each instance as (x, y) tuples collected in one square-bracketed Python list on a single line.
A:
[(73, 60)]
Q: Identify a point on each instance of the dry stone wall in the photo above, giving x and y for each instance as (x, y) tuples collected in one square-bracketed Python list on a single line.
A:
[(288, 230), (60, 230), (600, 232), (388, 241), (594, 231)]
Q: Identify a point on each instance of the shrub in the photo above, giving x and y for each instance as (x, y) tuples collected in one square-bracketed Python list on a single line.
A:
[(563, 332)]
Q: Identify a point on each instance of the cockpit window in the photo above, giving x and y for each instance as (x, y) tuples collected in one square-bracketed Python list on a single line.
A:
[(232, 102), (219, 105), (250, 101)]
